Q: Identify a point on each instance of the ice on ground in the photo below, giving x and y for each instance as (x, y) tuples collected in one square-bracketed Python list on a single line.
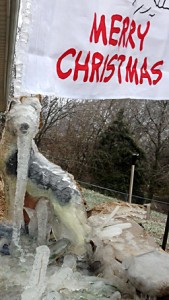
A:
[(53, 296), (65, 281), (113, 230), (149, 273)]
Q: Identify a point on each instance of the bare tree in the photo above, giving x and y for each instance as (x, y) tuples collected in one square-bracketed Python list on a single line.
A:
[(152, 124), (53, 111), (71, 129), (72, 137)]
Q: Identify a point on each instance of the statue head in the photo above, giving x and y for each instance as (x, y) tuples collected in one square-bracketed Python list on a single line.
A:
[(23, 116)]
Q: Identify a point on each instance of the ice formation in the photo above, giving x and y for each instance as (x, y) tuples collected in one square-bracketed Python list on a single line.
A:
[(40, 223), (48, 180), (68, 278), (24, 119), (22, 44), (42, 216), (37, 281), (58, 201), (149, 273)]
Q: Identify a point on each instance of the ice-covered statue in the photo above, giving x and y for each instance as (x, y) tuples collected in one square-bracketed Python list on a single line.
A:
[(57, 200)]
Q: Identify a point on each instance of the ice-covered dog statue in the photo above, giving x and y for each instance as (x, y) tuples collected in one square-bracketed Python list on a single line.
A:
[(45, 179)]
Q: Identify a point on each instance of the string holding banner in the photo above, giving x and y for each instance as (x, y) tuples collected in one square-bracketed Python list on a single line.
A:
[(95, 51)]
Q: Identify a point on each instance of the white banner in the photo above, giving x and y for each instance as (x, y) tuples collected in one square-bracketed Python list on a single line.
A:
[(98, 49)]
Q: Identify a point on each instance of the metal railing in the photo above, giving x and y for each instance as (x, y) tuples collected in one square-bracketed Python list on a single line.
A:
[(122, 195)]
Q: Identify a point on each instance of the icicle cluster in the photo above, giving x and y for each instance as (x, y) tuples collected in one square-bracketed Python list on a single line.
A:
[(22, 43)]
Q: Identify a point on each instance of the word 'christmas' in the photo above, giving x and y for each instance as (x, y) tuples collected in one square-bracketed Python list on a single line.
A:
[(100, 68)]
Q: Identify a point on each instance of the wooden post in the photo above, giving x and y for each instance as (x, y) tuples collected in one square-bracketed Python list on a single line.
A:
[(148, 209), (131, 183), (135, 156)]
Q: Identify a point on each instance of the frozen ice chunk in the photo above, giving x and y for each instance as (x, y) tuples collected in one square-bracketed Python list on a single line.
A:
[(116, 296), (111, 216), (53, 296), (58, 248), (149, 273), (37, 281), (59, 278), (113, 230), (42, 218), (40, 221), (70, 261)]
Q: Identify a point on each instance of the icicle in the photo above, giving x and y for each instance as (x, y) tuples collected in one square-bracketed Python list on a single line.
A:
[(42, 220), (22, 44), (37, 285), (24, 147), (31, 109)]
